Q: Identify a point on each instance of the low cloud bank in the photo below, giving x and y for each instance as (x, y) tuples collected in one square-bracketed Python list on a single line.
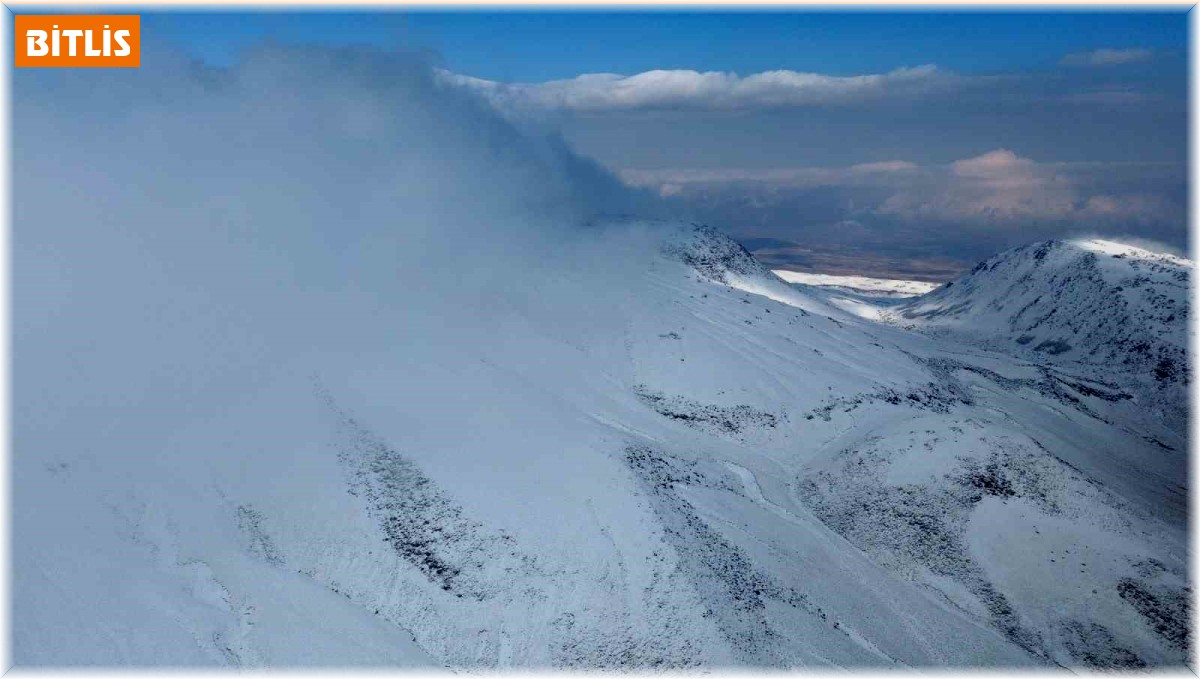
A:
[(962, 211), (711, 90), (181, 232)]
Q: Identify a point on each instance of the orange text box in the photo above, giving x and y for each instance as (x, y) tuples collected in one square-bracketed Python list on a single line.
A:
[(75, 40)]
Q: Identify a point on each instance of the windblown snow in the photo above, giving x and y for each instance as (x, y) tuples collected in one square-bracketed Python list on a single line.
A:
[(610, 443)]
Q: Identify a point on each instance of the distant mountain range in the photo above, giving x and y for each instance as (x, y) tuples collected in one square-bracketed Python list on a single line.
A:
[(843, 260)]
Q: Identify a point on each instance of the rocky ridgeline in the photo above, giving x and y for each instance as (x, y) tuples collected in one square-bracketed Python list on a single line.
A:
[(1088, 301)]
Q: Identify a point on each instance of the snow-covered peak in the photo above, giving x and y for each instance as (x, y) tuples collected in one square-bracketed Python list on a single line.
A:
[(1114, 307), (1116, 249), (1075, 298), (713, 254), (718, 258)]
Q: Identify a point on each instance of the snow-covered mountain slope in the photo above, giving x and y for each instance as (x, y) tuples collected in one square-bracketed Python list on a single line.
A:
[(1090, 305), (864, 285), (681, 474), (859, 296), (1087, 300), (365, 380)]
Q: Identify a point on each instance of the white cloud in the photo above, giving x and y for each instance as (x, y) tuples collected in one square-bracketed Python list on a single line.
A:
[(995, 188), (1000, 186), (324, 184), (998, 164), (885, 166), (672, 181), (1108, 57), (712, 90)]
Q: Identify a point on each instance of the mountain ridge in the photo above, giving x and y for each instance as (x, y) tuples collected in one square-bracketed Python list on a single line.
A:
[(1094, 304), (701, 467)]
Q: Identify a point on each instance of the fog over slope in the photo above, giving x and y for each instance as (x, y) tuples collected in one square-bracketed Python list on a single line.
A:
[(317, 361), (185, 239)]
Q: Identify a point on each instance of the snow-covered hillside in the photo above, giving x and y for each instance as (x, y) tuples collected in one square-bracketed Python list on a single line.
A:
[(1098, 306), (389, 392), (1085, 300), (861, 296), (683, 474)]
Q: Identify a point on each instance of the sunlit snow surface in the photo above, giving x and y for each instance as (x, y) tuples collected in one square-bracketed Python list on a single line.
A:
[(1114, 248), (866, 284), (860, 296)]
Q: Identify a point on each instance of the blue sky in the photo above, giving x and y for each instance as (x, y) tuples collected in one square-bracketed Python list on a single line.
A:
[(534, 46)]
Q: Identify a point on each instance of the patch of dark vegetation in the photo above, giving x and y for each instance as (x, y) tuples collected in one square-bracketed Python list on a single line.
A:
[(1088, 390), (725, 419), (466, 559), (1166, 369), (1150, 567), (1052, 384), (945, 369), (662, 471), (258, 541), (581, 648), (1094, 646), (1044, 249), (1010, 474), (1053, 347), (1166, 611), (911, 524), (1025, 339), (915, 526), (991, 480), (736, 592), (714, 255), (419, 521), (1160, 444), (938, 397)]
